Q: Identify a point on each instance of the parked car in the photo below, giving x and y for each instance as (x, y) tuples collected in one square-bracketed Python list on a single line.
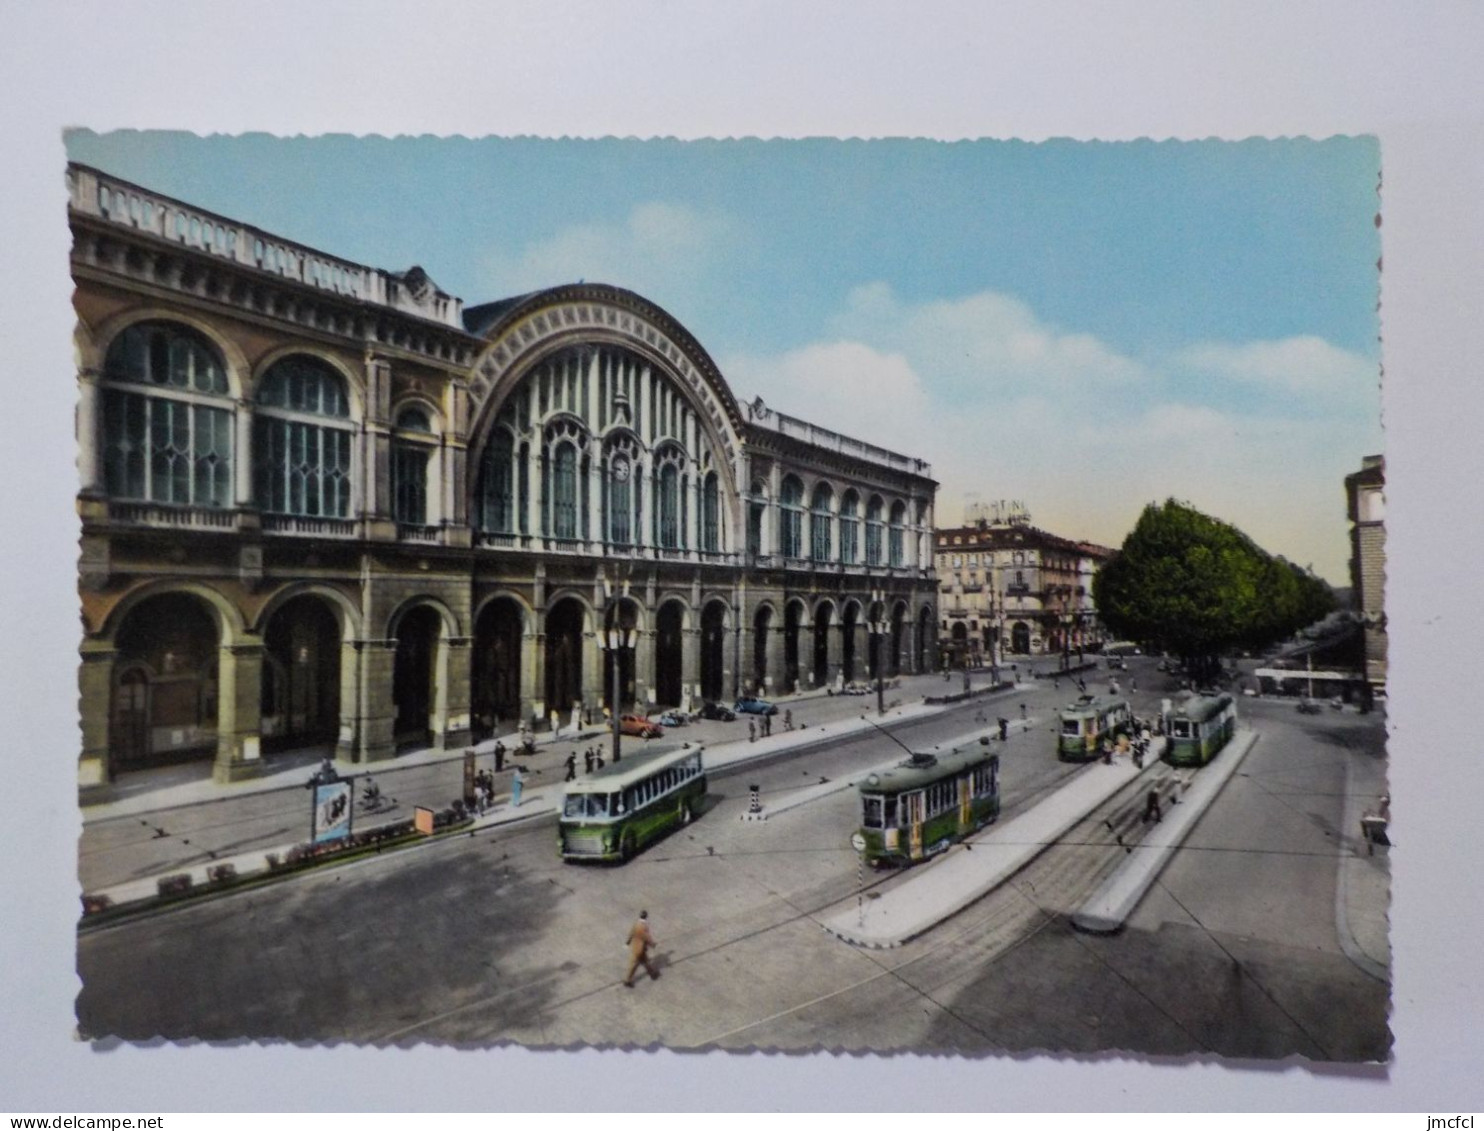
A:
[(750, 706), (1308, 706), (639, 726), (855, 687), (718, 712), (1115, 663), (673, 719)]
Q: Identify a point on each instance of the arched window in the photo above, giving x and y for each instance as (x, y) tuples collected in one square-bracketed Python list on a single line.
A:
[(167, 414), (819, 523), (895, 535), (302, 440), (667, 507), (412, 451), (874, 541), (620, 483), (757, 507), (495, 511), (791, 518), (849, 528), (564, 491), (711, 515)]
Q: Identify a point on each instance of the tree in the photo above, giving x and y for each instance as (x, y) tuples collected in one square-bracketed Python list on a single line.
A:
[(1190, 584)]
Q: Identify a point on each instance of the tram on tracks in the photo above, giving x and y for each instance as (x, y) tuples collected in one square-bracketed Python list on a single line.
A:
[(1198, 728), (1087, 722), (927, 803), (622, 808)]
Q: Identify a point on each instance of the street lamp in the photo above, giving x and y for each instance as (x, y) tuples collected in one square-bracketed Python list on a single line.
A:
[(614, 640), (878, 630)]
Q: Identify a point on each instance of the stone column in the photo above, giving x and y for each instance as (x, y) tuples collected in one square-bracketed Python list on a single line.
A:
[(644, 668), (692, 496), (242, 455), (346, 747), (690, 665), (95, 700), (597, 536), (535, 495), (593, 669), (239, 704), (375, 709), (773, 683), (833, 650), (455, 727), (533, 673), (376, 473), (89, 434)]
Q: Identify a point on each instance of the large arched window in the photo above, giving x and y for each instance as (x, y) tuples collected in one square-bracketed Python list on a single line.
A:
[(669, 527), (168, 416), (564, 491), (302, 440), (850, 528), (495, 502), (620, 485), (711, 514), (898, 519), (412, 451), (791, 518), (820, 520), (874, 540), (757, 507)]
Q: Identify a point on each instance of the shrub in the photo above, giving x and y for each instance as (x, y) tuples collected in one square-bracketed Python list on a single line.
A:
[(221, 873), (92, 904)]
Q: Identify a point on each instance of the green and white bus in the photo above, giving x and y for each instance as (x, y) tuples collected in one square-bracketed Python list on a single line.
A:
[(923, 805), (1085, 723), (617, 811)]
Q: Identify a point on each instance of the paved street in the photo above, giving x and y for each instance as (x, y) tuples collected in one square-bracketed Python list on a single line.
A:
[(1241, 948)]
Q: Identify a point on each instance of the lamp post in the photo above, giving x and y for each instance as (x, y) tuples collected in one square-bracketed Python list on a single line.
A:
[(614, 640), (878, 630)]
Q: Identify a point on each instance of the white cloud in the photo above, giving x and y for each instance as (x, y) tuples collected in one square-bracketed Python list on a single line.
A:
[(1085, 435), (989, 340), (662, 250), (1306, 367)]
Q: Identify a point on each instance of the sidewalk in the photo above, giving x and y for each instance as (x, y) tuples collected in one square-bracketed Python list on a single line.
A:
[(281, 796), (934, 891), (1363, 890)]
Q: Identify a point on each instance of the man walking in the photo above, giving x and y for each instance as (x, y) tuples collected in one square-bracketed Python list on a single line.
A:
[(571, 767), (640, 942)]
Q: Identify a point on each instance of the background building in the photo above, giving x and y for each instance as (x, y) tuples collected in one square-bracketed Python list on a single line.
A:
[(1365, 492), (1010, 589), (326, 505)]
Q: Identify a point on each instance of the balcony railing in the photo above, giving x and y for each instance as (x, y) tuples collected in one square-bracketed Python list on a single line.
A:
[(420, 533), (305, 526), (173, 517)]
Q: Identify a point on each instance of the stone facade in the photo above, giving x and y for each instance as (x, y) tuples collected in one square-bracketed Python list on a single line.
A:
[(326, 505), (1365, 492), (1008, 588)]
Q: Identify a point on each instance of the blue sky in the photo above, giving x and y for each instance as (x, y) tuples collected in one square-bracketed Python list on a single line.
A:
[(1083, 326)]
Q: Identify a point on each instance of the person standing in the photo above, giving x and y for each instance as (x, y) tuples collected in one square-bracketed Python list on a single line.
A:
[(1151, 807), (517, 785), (571, 767), (751, 731), (640, 942), (788, 719), (587, 760), (499, 757)]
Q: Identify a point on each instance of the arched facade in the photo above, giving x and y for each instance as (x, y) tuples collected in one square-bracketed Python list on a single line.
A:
[(477, 493)]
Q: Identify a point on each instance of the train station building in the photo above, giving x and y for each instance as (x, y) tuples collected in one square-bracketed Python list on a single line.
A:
[(325, 505)]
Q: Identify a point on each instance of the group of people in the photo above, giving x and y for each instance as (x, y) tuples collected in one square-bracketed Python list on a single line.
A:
[(762, 727), (1136, 744), (484, 788), (592, 759)]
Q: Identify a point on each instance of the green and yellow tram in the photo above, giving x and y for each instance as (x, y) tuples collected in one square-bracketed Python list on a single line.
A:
[(1198, 727), (926, 803), (1085, 723), (617, 811)]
